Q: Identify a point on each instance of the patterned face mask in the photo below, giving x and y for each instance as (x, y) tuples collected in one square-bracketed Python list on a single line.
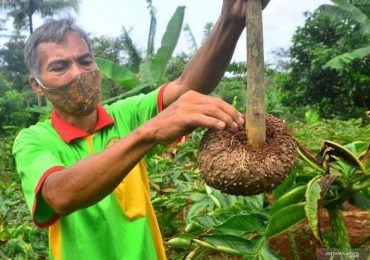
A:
[(78, 97)]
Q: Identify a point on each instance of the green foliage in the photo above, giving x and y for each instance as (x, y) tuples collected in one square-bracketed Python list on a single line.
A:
[(312, 116), (332, 93), (344, 11), (338, 173), (295, 195), (176, 66), (312, 206), (134, 58), (12, 63), (152, 71), (119, 74), (120, 50), (23, 11), (109, 48), (19, 238), (232, 90), (6, 158), (15, 93), (339, 62), (285, 218), (12, 104), (224, 224), (274, 94), (312, 135), (199, 220)]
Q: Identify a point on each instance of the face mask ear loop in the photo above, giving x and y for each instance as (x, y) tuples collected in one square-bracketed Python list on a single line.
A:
[(39, 82)]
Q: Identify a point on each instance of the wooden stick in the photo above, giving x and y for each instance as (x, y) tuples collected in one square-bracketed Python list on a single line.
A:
[(255, 115)]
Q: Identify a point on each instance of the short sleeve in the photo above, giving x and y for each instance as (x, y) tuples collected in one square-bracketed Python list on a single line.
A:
[(34, 162), (138, 109)]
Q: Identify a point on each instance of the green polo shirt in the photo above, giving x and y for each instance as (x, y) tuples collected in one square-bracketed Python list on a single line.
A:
[(120, 226)]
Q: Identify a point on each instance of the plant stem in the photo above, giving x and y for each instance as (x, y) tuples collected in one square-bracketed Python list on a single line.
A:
[(255, 115), (293, 245), (338, 229)]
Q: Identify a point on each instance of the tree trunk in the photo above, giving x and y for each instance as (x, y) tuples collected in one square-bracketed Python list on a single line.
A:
[(30, 22), (255, 116)]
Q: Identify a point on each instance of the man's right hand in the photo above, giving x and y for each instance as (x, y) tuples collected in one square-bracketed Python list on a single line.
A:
[(190, 111), (238, 8)]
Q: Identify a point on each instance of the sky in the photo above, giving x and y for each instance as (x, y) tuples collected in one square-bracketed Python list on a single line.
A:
[(280, 20)]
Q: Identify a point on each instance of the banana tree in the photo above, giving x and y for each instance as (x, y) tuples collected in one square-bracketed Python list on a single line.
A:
[(151, 71), (344, 10)]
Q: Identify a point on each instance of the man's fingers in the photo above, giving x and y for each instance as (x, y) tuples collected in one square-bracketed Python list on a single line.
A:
[(213, 107), (215, 111), (229, 110), (206, 122)]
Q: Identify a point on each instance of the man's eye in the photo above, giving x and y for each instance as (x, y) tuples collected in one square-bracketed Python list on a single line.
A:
[(58, 68), (86, 62)]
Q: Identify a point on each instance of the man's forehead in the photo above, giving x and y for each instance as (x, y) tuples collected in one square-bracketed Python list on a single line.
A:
[(71, 44)]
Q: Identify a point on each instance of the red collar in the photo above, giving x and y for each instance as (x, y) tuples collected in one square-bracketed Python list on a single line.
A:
[(69, 132)]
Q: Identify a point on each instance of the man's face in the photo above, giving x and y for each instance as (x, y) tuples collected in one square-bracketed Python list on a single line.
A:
[(61, 62), (69, 76)]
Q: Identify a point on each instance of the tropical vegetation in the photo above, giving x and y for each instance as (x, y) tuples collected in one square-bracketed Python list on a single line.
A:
[(320, 86)]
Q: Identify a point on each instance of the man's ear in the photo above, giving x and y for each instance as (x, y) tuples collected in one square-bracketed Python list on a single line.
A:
[(36, 86)]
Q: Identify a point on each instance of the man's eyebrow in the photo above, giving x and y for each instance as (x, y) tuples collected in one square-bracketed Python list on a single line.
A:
[(84, 56)]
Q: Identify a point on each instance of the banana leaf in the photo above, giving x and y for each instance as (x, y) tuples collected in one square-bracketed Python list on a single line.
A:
[(119, 74), (338, 62), (152, 71)]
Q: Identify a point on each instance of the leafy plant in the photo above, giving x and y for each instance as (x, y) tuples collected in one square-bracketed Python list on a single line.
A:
[(333, 93), (19, 238), (339, 174), (344, 10), (233, 225), (23, 11), (151, 71)]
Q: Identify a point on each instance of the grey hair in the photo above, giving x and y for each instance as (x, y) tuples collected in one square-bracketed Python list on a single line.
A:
[(51, 31)]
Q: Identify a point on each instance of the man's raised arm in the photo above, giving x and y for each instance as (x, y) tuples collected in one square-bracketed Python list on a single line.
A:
[(207, 67)]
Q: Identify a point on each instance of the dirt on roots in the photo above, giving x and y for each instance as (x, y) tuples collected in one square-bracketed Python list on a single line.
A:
[(228, 163)]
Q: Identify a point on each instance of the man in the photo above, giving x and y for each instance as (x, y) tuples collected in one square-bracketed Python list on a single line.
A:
[(82, 171)]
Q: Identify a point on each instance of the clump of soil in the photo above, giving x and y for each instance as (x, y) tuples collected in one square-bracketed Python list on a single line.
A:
[(228, 163)]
